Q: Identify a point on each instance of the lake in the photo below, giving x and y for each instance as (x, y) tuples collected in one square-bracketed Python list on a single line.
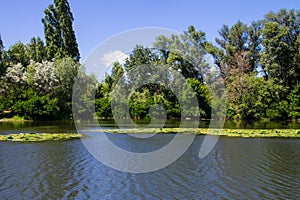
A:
[(237, 168)]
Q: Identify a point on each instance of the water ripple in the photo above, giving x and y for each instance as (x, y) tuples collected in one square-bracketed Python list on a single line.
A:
[(236, 169)]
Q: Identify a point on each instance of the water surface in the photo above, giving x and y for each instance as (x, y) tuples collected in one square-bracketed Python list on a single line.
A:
[(237, 168)]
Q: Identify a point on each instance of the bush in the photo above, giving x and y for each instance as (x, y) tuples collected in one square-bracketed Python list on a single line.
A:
[(32, 106), (294, 103)]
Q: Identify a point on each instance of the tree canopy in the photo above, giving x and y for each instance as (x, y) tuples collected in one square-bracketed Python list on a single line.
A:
[(58, 30), (281, 42), (36, 80), (258, 63)]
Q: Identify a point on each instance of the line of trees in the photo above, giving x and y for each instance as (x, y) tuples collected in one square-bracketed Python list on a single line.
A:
[(36, 79), (259, 64)]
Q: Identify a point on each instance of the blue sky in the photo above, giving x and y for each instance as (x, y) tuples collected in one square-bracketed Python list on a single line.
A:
[(97, 20)]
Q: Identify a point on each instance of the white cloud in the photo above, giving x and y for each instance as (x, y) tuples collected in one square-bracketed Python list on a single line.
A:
[(113, 56)]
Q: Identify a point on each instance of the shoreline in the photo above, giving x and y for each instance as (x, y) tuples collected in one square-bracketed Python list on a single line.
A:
[(15, 120)]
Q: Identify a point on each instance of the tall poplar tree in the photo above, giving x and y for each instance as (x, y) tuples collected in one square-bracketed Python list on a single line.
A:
[(1, 46), (2, 66), (58, 30), (36, 49)]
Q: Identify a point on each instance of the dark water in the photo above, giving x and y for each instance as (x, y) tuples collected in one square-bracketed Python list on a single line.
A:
[(237, 168)]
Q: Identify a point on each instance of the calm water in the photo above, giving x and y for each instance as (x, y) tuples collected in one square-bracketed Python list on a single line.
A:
[(237, 168)]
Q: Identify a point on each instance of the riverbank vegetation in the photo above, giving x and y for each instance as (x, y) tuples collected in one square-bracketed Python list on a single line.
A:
[(258, 63)]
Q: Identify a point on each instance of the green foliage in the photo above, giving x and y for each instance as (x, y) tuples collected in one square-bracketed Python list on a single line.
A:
[(139, 99), (139, 56), (294, 99), (3, 103), (255, 133), (203, 97), (27, 91), (2, 68), (116, 74), (103, 107), (83, 101), (18, 53), (1, 46), (4, 59), (139, 104), (184, 53), (36, 50), (32, 106), (281, 55), (39, 137), (59, 33), (259, 64), (35, 88), (66, 70), (234, 42), (259, 99)]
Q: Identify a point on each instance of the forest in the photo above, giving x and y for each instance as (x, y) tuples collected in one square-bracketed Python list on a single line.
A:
[(258, 63)]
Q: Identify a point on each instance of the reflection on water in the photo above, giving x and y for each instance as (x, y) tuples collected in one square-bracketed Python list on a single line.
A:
[(227, 124), (237, 168), (38, 127)]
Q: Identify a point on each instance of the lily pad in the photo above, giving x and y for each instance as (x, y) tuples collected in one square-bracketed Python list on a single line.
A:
[(286, 133), (38, 137)]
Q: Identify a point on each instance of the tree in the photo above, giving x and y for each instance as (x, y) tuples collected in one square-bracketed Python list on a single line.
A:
[(66, 71), (294, 103), (33, 106), (36, 49), (84, 103), (41, 77), (18, 53), (59, 33), (203, 97), (1, 46), (259, 99), (11, 84), (14, 79), (233, 39), (140, 56), (116, 74), (184, 52), (281, 55), (236, 70), (236, 41), (3, 64)]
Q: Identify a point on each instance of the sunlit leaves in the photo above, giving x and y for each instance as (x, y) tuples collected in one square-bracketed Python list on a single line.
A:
[(59, 33), (281, 54)]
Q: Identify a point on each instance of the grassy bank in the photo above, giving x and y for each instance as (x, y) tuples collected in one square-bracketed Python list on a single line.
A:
[(14, 119), (286, 133), (38, 137)]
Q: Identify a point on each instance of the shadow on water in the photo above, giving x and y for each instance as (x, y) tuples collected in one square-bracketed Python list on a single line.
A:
[(238, 124), (37, 126)]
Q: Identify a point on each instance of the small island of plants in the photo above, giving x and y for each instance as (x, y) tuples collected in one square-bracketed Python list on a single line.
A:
[(39, 137), (286, 133)]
